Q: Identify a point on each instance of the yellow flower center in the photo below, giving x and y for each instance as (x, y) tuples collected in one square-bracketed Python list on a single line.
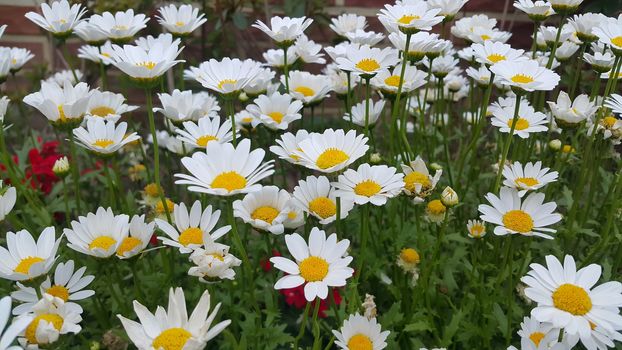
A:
[(414, 178), (436, 207), (170, 206), (226, 81), (368, 65), (59, 292), (485, 37), (191, 235), (276, 116), (171, 339), (128, 244), (324, 207), (265, 213), (521, 124), (152, 190), (247, 120), (305, 91), (102, 111), (180, 24), (230, 181), (119, 27), (527, 181), (406, 19), (292, 215), (148, 64), (103, 143), (205, 139), (617, 41), (61, 113), (367, 188), (522, 79), (495, 57), (518, 220), (217, 256), (55, 320), (360, 341), (25, 264), (330, 158), (609, 122), (536, 337), (410, 256), (313, 269), (573, 299), (393, 80), (477, 230), (567, 149), (102, 242)]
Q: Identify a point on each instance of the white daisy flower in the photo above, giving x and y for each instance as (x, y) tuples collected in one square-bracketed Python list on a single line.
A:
[(584, 25), (213, 262), (366, 61), (107, 105), (418, 182), (182, 20), (90, 33), (347, 23), (320, 264), (476, 228), (4, 104), (481, 35), (565, 6), (288, 145), (480, 76), (295, 217), (59, 78), (535, 10), (206, 130), (16, 327), (68, 285), (121, 27), (308, 51), (317, 197), (99, 234), (442, 66), (449, 8), (363, 37), (103, 137), (511, 215), (145, 65), (567, 298), (24, 259), (536, 335), (566, 50), (284, 30), (548, 35), (491, 52), (227, 171), (409, 18), (388, 81), (528, 120), (609, 33), (609, 126), (243, 119), (91, 53), (61, 105), (530, 178), (357, 114), (19, 57), (172, 329), (359, 332), (8, 196), (139, 236), (309, 88), (341, 49), (227, 76), (191, 227), (600, 62), (598, 339), (275, 111), (614, 102), (260, 83), (465, 26), (571, 113), (369, 184), (339, 83), (332, 150), (50, 318), (58, 19), (526, 75), (275, 57), (181, 106), (265, 209)]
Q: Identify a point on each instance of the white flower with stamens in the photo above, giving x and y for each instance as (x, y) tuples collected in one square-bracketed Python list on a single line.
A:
[(564, 6), (441, 66), (527, 75), (449, 8), (320, 264), (98, 234), (480, 76), (308, 51), (24, 258), (421, 44), (68, 285), (409, 18), (172, 329), (568, 298), (357, 114), (528, 120), (367, 61), (265, 209), (339, 83), (362, 37), (584, 25), (284, 30), (341, 49), (227, 171), (600, 62), (481, 35), (50, 319), (206, 130), (388, 81), (17, 326), (149, 41), (191, 227), (468, 25), (536, 335), (19, 57), (139, 236), (332, 150), (260, 83), (121, 27), (275, 111), (145, 66), (61, 105), (531, 177), (181, 106), (182, 20), (59, 19), (418, 182), (213, 262), (103, 137), (287, 146), (609, 32), (90, 33), (8, 196), (511, 215), (570, 112), (307, 87), (316, 196), (91, 53), (614, 102), (59, 78), (275, 57), (295, 217), (360, 332), (599, 338), (491, 52), (227, 76), (566, 50), (369, 184), (476, 228), (536, 10), (107, 105), (347, 23)]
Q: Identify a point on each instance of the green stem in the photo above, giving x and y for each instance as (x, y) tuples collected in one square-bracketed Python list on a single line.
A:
[(75, 172), (68, 60), (303, 325), (508, 142), (231, 113)]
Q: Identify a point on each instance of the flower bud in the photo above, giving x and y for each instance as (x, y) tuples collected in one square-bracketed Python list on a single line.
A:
[(436, 166), (375, 158), (555, 145), (449, 197), (61, 167)]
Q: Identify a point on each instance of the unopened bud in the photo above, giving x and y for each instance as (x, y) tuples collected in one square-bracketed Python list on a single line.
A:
[(449, 197), (61, 167), (375, 158), (555, 145)]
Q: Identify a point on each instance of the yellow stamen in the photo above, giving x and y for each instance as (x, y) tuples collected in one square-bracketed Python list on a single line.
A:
[(265, 213), (536, 337), (393, 80), (205, 139), (522, 79), (521, 124), (367, 188), (527, 181), (128, 244), (59, 292), (102, 111), (324, 207), (276, 116), (305, 91), (25, 264), (406, 19), (55, 320), (360, 341), (149, 64), (410, 256), (518, 221), (330, 158), (229, 181), (617, 41), (191, 235), (103, 143), (368, 65), (152, 190), (495, 57), (573, 299), (171, 339), (436, 207), (414, 178), (226, 81), (102, 242), (313, 269)]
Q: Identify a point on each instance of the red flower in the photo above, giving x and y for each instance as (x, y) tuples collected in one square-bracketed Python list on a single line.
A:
[(40, 173), (296, 297)]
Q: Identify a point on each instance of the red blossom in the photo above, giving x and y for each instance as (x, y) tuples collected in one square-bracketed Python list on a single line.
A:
[(296, 297)]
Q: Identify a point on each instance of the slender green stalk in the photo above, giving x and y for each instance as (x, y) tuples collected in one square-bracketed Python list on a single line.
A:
[(75, 171), (68, 60), (534, 45), (549, 63), (367, 98), (285, 69), (66, 202), (577, 70), (303, 324), (317, 344), (508, 142), (231, 113)]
